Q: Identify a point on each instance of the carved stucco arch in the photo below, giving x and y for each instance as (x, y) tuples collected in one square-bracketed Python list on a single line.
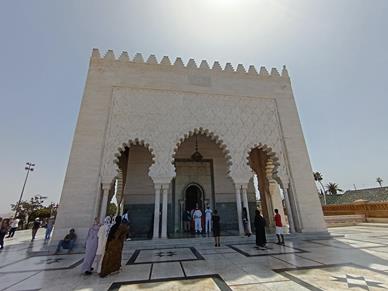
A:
[(279, 173), (236, 123), (113, 154), (208, 133), (121, 149)]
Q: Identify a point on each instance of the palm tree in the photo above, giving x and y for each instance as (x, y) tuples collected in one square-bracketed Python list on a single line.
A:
[(333, 188), (318, 178), (379, 180)]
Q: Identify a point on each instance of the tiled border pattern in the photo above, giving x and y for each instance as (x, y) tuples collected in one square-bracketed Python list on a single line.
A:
[(132, 259), (284, 273), (216, 278), (294, 250)]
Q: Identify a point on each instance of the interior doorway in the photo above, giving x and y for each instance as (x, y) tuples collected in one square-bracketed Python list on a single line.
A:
[(193, 197)]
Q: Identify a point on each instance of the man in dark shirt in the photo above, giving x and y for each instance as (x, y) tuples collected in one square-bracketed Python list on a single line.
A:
[(68, 242), (35, 227)]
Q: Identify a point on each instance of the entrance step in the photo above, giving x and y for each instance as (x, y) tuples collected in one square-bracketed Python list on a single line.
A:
[(209, 240)]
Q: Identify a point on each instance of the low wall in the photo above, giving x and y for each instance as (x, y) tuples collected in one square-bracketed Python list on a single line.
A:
[(369, 209)]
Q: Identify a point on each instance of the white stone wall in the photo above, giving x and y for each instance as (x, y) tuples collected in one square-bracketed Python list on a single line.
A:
[(160, 104)]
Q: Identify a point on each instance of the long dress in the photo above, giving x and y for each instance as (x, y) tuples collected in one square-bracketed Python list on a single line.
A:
[(114, 247), (91, 248), (216, 225), (102, 238), (260, 223)]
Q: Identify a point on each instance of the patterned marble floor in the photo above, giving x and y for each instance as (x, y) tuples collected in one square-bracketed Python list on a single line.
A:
[(357, 260)]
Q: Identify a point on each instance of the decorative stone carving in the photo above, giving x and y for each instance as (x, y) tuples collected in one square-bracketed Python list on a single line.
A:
[(162, 119)]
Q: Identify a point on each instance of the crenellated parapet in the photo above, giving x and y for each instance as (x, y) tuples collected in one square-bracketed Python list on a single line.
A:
[(191, 64)]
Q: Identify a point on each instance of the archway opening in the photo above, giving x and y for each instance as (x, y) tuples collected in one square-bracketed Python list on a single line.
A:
[(193, 197), (136, 188), (263, 163), (202, 163)]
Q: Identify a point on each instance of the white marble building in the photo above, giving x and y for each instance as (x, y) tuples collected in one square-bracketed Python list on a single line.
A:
[(143, 124)]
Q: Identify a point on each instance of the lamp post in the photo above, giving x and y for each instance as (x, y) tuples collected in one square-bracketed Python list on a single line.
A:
[(29, 168)]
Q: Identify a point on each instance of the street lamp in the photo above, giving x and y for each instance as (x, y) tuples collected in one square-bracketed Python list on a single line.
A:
[(29, 168)]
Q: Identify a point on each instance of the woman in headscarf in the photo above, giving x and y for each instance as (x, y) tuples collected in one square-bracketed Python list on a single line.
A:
[(102, 235), (114, 247), (91, 248), (260, 223)]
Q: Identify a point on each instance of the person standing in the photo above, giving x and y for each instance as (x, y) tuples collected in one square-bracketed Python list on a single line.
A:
[(35, 227), (245, 221), (3, 232), (186, 217), (102, 235), (279, 228), (91, 248), (208, 219), (197, 220), (14, 226), (260, 224), (114, 247), (216, 228), (49, 228)]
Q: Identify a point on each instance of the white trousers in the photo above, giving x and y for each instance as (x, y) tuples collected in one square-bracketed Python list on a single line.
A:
[(198, 226), (208, 225)]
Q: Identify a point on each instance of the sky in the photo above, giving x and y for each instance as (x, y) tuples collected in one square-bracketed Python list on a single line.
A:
[(336, 53)]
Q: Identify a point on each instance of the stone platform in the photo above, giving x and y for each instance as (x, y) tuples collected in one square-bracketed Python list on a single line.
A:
[(354, 258)]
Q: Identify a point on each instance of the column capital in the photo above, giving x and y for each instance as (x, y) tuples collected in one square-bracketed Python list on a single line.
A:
[(107, 180), (106, 187), (158, 186), (165, 186)]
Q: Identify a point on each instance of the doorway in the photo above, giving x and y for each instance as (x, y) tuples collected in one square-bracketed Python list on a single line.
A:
[(193, 197)]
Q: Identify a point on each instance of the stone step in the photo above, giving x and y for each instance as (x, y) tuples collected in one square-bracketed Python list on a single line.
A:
[(200, 240)]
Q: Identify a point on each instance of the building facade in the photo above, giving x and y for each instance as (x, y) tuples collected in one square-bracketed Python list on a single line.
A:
[(165, 137)]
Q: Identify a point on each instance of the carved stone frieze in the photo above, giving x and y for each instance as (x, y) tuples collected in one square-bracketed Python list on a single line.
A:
[(161, 119)]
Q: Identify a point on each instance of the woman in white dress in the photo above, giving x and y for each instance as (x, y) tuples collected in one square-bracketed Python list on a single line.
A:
[(102, 237)]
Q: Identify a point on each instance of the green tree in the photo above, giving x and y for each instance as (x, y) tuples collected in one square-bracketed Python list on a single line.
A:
[(333, 188), (112, 208), (318, 178), (41, 213), (28, 210), (380, 181)]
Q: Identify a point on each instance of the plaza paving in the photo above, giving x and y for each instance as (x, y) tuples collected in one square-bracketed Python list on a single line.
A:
[(355, 258)]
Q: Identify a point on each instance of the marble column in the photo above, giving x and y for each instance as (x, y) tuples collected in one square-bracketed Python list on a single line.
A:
[(104, 200), (246, 205), (157, 211), (289, 211), (164, 210), (239, 209), (274, 190), (181, 202)]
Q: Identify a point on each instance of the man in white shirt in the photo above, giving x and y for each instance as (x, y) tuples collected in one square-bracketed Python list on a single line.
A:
[(208, 215), (197, 220), (14, 226)]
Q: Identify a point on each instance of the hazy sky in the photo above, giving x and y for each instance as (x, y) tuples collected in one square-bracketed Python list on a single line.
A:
[(336, 53)]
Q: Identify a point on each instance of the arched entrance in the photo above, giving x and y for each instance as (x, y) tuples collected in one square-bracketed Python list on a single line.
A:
[(194, 197), (137, 187)]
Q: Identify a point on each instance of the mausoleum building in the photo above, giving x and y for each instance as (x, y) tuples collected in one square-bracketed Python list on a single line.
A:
[(163, 136)]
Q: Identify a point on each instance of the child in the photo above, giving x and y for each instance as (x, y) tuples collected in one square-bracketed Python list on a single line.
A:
[(279, 228)]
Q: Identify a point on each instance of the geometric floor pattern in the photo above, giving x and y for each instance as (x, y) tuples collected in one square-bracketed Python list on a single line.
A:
[(356, 258), (163, 255), (211, 282), (338, 277)]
